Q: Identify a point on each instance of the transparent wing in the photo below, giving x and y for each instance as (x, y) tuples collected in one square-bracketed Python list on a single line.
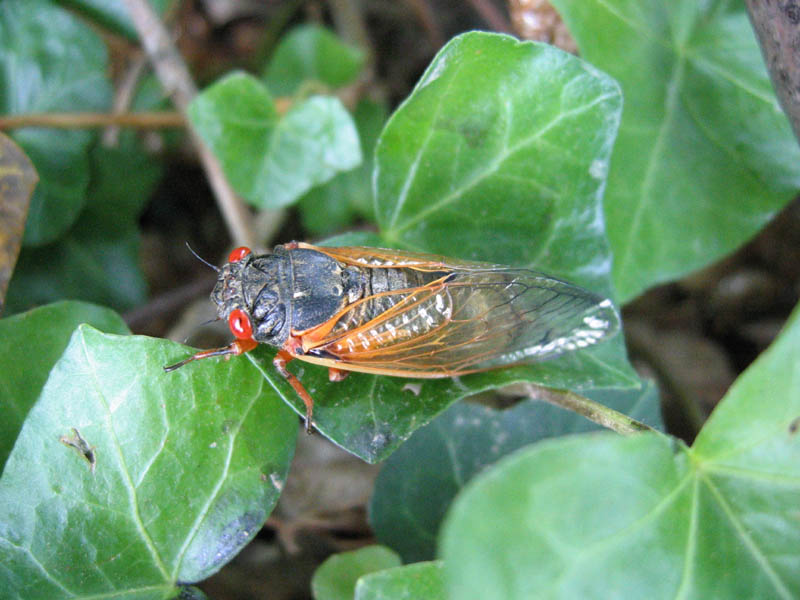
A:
[(471, 320)]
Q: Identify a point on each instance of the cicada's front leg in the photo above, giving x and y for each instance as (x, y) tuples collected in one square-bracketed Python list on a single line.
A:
[(236, 348)]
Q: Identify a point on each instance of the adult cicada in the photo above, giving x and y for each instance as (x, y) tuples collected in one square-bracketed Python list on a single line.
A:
[(390, 312)]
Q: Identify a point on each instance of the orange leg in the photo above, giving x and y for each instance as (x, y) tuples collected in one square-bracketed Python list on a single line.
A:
[(337, 374), (236, 348), (281, 359)]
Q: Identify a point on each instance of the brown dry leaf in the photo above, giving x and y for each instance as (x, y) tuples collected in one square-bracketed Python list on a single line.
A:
[(17, 181)]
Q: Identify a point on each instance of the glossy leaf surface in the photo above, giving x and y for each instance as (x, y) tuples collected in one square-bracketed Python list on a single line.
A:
[(410, 582), (51, 62), (185, 472), (32, 343), (486, 133), (272, 159), (336, 578), (311, 54), (718, 520), (419, 482), (705, 156)]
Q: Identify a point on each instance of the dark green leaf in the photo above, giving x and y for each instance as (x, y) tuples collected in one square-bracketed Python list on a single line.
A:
[(51, 62), (98, 259), (334, 205), (420, 480), (705, 155), (412, 582), (492, 125), (718, 520), (112, 13), (309, 53), (32, 343), (372, 415), (336, 578), (273, 160), (186, 472)]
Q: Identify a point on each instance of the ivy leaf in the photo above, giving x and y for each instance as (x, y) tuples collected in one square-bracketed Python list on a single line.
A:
[(185, 472), (507, 140), (272, 160), (334, 205), (715, 520), (336, 578), (311, 53), (43, 333), (419, 481), (51, 62), (705, 156), (420, 580), (112, 13)]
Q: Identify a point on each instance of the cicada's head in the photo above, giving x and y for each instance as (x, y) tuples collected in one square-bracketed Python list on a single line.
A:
[(250, 295)]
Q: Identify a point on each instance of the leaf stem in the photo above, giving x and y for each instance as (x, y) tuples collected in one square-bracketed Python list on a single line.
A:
[(594, 411), (144, 120), (174, 76)]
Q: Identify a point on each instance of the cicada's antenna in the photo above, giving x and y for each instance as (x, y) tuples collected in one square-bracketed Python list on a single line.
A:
[(196, 327), (202, 260)]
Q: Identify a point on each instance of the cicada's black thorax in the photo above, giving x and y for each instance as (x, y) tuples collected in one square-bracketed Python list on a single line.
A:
[(289, 290)]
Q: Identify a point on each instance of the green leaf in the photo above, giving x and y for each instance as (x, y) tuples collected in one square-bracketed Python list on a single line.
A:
[(112, 13), (718, 520), (493, 124), (411, 582), (333, 205), (336, 578), (51, 62), (98, 259), (419, 481), (705, 155), (311, 53), (272, 160), (40, 335), (185, 472)]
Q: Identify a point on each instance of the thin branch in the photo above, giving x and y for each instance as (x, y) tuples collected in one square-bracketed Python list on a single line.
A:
[(177, 81), (594, 411), (124, 93), (777, 24), (142, 120)]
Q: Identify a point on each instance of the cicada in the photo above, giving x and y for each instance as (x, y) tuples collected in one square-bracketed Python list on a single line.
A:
[(406, 314)]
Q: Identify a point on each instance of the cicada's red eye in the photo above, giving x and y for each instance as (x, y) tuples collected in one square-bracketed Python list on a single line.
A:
[(238, 253), (240, 324)]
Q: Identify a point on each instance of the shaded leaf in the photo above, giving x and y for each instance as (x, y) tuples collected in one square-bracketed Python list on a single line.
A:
[(17, 180), (112, 13), (186, 472), (718, 520), (419, 481), (53, 63), (272, 160), (420, 580), (705, 156), (485, 132), (43, 333), (336, 578), (98, 259), (334, 205), (310, 53)]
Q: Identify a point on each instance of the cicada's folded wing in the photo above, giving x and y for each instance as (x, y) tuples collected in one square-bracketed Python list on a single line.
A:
[(469, 320)]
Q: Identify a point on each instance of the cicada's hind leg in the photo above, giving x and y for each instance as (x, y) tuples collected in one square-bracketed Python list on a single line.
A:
[(282, 358)]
